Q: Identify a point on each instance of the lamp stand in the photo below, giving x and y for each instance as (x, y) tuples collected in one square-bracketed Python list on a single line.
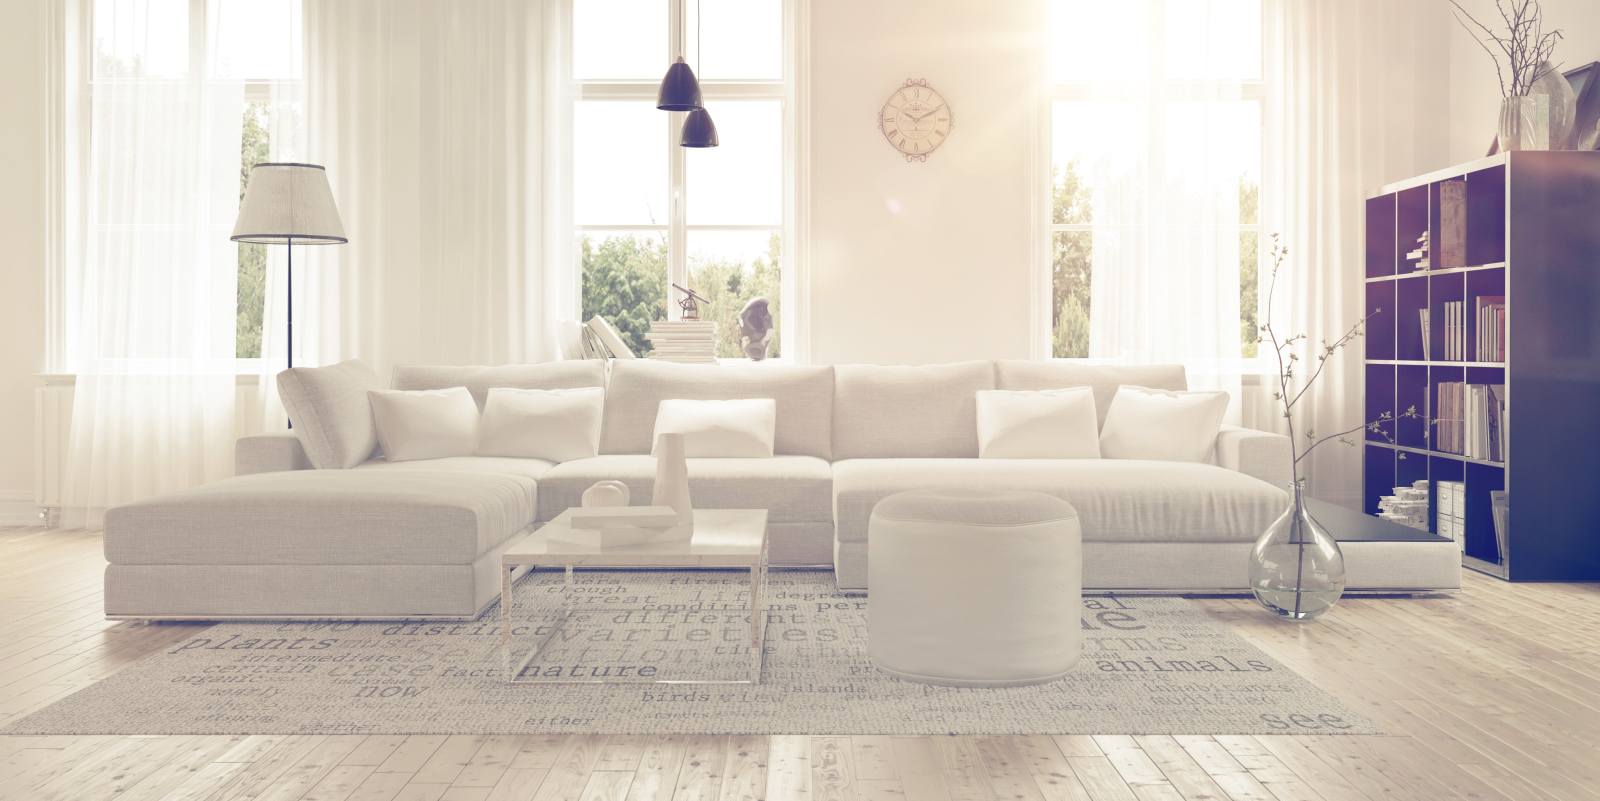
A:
[(288, 274)]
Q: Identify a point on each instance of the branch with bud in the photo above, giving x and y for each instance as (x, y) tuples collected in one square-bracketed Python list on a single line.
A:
[(1290, 392)]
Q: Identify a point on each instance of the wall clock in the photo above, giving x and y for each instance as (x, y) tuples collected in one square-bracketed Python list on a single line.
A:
[(915, 120)]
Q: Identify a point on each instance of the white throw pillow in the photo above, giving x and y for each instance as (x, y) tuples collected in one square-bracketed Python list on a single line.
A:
[(1043, 424), (330, 412), (1163, 426), (555, 424), (720, 428), (425, 424)]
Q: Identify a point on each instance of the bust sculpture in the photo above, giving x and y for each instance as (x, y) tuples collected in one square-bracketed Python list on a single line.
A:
[(755, 328)]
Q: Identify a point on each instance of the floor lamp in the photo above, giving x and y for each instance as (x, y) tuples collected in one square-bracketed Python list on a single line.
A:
[(287, 203)]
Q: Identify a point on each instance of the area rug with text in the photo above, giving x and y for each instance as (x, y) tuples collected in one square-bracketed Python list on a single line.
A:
[(1149, 666)]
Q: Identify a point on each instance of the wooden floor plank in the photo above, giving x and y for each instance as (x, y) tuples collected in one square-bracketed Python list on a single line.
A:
[(1491, 694)]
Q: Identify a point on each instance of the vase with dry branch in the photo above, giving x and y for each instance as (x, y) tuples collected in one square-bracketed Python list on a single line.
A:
[(1296, 568), (1522, 65)]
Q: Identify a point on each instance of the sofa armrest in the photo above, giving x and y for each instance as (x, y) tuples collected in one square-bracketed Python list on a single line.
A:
[(1261, 454), (269, 453)]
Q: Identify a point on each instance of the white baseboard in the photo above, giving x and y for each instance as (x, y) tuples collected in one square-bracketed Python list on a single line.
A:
[(19, 509)]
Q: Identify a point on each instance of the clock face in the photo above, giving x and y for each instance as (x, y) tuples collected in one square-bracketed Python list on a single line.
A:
[(916, 120)]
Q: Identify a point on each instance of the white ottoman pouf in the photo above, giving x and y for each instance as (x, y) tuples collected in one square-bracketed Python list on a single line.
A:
[(977, 588)]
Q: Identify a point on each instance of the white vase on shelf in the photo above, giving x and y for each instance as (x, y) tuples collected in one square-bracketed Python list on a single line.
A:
[(672, 478)]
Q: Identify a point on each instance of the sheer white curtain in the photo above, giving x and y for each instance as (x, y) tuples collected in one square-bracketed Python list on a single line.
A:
[(1163, 122), (151, 304), (431, 118), (1349, 106), (1167, 223)]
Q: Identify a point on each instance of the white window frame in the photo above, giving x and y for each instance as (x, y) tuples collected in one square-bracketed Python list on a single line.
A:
[(73, 80), (1253, 90), (789, 91)]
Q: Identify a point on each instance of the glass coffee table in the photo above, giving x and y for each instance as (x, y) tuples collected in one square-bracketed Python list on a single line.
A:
[(723, 539)]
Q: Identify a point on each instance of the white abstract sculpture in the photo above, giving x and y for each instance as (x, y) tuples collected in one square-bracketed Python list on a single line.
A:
[(609, 492), (672, 478)]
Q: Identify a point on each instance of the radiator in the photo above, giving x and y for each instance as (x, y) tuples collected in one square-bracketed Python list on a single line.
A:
[(52, 419)]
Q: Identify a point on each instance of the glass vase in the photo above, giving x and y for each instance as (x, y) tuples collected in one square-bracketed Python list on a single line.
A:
[(1296, 568), (1525, 123)]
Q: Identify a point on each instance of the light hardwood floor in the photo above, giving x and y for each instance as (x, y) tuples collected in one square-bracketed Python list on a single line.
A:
[(1490, 694)]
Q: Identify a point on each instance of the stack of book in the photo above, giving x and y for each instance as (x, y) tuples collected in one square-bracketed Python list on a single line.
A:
[(1419, 256), (1472, 420), (1455, 330), (1408, 506), (683, 341), (1450, 513), (1491, 339)]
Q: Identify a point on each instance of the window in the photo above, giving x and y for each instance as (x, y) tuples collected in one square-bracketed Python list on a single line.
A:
[(1155, 136), (230, 67), (649, 213)]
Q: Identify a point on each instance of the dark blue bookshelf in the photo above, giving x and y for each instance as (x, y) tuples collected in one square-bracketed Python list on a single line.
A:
[(1533, 237)]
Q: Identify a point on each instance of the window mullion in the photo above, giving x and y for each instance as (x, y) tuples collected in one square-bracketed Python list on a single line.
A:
[(677, 236)]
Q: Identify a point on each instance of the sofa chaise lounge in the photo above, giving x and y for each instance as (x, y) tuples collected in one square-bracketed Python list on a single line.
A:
[(423, 538)]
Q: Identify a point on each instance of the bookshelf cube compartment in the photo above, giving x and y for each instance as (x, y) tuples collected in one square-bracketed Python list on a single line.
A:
[(1486, 215), (1411, 226), (1380, 320), (1411, 299), (1411, 390), (1377, 475), (1446, 315), (1481, 479), (1444, 424), (1441, 468), (1379, 398), (1409, 468), (1486, 322), (1380, 236), (1447, 223)]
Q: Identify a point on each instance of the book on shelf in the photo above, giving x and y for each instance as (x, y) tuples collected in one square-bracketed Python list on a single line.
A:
[(1471, 420), (1423, 315), (1490, 316), (1455, 331), (1452, 244), (1500, 513)]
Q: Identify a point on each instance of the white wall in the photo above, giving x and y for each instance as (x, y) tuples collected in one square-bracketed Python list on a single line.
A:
[(921, 262), (1474, 92), (22, 247)]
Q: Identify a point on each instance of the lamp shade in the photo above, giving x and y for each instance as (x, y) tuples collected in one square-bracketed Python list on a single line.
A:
[(699, 130), (287, 201), (680, 90)]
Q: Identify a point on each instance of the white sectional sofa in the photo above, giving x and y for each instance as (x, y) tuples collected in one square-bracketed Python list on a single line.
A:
[(422, 538)]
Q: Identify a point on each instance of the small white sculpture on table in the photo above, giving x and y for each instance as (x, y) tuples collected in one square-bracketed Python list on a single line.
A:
[(606, 520)]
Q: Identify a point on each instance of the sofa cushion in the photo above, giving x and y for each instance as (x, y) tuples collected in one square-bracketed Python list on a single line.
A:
[(424, 423), (804, 398), (1103, 378), (330, 412), (1117, 500), (791, 488), (900, 411), (325, 517), (479, 379)]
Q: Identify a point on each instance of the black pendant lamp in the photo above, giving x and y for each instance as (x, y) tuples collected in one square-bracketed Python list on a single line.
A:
[(699, 130), (680, 91)]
